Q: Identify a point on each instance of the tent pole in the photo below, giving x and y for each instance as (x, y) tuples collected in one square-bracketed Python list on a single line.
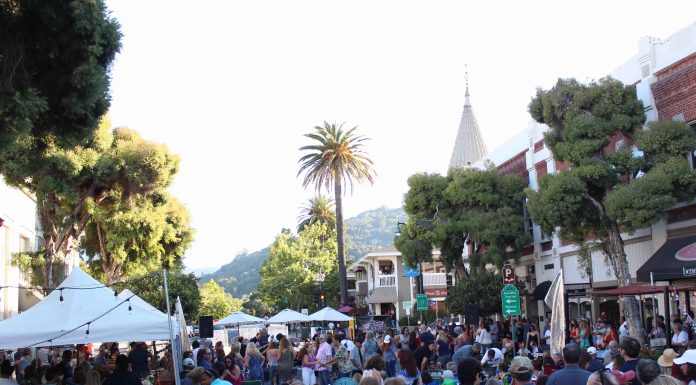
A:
[(175, 359)]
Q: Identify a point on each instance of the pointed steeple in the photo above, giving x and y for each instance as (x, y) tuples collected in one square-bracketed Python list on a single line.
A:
[(469, 146)]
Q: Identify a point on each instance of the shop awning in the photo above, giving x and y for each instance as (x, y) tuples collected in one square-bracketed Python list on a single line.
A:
[(540, 291), (641, 288), (383, 295), (676, 259)]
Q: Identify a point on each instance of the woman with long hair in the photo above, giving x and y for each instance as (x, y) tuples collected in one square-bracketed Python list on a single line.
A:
[(272, 358), (286, 356), (574, 332), (232, 372), (309, 364), (373, 368), (409, 369), (389, 354), (584, 334), (413, 341), (532, 336), (483, 335), (443, 349), (235, 355), (369, 347), (404, 336), (253, 361)]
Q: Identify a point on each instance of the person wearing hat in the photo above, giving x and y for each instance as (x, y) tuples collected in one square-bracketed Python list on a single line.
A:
[(595, 363), (666, 360), (571, 374), (521, 370), (687, 364)]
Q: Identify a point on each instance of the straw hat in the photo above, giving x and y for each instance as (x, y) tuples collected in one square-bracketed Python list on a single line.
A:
[(667, 358)]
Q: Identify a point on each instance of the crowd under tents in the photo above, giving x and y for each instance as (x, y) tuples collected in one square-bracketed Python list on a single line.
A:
[(82, 310)]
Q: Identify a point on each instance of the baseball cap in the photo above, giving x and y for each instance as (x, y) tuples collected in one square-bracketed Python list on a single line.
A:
[(448, 374), (189, 362), (387, 339), (520, 365), (592, 350)]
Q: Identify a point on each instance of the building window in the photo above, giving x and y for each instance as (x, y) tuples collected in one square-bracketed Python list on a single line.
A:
[(24, 244), (548, 266)]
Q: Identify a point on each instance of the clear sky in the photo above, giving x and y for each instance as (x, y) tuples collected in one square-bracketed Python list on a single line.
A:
[(232, 86)]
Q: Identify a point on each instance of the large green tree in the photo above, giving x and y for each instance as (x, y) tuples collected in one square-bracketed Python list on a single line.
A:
[(55, 58), (336, 159), (605, 188), (215, 302), (288, 276), (151, 289), (467, 206)]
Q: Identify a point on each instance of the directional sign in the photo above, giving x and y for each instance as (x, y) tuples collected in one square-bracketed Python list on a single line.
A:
[(510, 297), (406, 305), (422, 301), (508, 275)]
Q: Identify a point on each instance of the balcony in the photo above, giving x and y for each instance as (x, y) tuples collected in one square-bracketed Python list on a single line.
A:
[(434, 279), (386, 280)]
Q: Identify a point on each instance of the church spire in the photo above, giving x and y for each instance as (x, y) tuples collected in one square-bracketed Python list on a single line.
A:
[(469, 146)]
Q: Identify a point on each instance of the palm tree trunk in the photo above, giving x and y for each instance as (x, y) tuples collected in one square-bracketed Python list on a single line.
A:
[(340, 241)]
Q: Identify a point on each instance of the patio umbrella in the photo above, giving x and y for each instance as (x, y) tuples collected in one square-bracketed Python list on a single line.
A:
[(345, 309), (239, 318), (288, 316), (329, 314)]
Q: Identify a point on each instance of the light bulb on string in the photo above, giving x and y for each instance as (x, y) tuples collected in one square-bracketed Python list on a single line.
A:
[(87, 332), (130, 308), (61, 295)]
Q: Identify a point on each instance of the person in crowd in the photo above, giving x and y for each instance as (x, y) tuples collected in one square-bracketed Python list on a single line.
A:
[(235, 355), (574, 331), (571, 374), (623, 328), (503, 375), (521, 370), (231, 372), (389, 354), (204, 358), (646, 371), (65, 365), (6, 370), (493, 357), (483, 335), (413, 341), (324, 355), (532, 336), (23, 363), (460, 342), (467, 351), (584, 334), (121, 375), (93, 377), (370, 346), (394, 381), (666, 360), (585, 359), (253, 361), (356, 357), (687, 364), (409, 369), (219, 355), (630, 350), (309, 364), (425, 335), (373, 368), (212, 377), (494, 329), (448, 378), (286, 357), (595, 363), (196, 345), (369, 381), (139, 359), (194, 377), (341, 359), (469, 371), (610, 333), (52, 376), (616, 362), (405, 333), (602, 378), (680, 338), (443, 349)]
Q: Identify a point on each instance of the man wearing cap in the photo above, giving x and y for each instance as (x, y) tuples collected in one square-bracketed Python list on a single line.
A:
[(571, 374), (595, 363), (521, 370)]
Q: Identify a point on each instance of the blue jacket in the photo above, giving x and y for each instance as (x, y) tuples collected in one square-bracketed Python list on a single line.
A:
[(570, 375)]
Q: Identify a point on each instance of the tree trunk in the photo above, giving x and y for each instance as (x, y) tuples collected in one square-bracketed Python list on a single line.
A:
[(340, 241), (617, 256)]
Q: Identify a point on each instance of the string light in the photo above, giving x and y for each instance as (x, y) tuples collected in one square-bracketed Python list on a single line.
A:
[(61, 295), (87, 332), (129, 306)]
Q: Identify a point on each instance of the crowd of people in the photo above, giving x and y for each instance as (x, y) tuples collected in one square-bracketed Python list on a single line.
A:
[(508, 352)]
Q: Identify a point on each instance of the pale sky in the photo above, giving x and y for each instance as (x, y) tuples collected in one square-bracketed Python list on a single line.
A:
[(232, 86)]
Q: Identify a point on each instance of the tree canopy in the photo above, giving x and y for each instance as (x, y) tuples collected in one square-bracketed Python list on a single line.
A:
[(185, 286), (216, 303), (482, 287), (466, 206), (607, 186), (288, 276)]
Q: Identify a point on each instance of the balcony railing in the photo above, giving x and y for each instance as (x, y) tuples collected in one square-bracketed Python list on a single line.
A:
[(434, 279), (387, 280)]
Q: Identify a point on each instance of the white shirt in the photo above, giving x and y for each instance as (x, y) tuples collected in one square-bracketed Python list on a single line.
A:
[(681, 337), (484, 338), (623, 330), (497, 358), (547, 336), (195, 355)]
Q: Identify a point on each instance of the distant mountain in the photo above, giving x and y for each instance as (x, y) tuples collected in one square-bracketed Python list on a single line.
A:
[(367, 232)]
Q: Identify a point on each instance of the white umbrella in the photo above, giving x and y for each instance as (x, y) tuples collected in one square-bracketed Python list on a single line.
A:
[(239, 318), (329, 314), (288, 316)]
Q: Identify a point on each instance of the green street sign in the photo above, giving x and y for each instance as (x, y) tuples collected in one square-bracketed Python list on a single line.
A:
[(422, 301), (406, 305), (510, 297)]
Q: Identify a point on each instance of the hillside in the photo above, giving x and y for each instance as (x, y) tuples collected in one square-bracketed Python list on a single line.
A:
[(369, 231)]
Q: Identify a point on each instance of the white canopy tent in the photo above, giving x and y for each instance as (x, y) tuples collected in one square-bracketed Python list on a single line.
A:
[(288, 316), (329, 314), (137, 301), (86, 305), (239, 318)]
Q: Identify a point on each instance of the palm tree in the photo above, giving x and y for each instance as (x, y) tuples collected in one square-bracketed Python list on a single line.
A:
[(319, 209), (336, 159)]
